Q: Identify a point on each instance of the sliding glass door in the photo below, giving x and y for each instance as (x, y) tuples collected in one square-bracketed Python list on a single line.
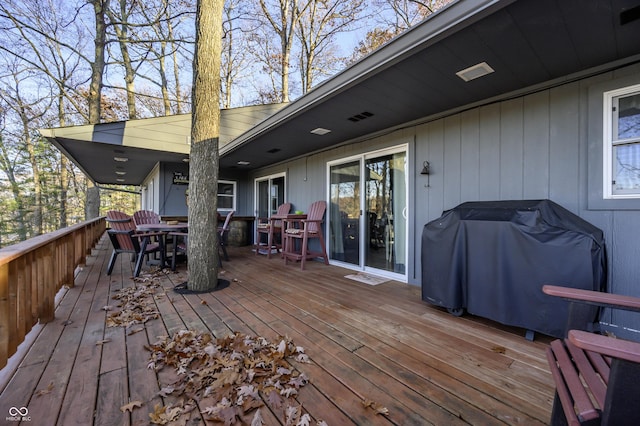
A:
[(270, 193), (368, 211)]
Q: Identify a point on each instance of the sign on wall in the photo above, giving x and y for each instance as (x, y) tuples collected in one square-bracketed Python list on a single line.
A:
[(180, 179)]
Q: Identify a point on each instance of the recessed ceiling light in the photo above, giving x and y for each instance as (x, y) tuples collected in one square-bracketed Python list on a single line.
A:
[(186, 160), (120, 180), (243, 163), (320, 131), (120, 173), (121, 159), (475, 71)]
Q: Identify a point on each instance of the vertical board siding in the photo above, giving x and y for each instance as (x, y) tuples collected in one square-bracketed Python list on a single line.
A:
[(470, 155), (452, 167), (529, 147), (489, 170), (564, 184), (536, 150), (511, 150)]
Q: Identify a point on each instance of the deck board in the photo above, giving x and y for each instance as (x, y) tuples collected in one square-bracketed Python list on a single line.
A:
[(381, 343)]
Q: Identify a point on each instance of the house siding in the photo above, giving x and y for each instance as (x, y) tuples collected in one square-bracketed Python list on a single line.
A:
[(542, 145)]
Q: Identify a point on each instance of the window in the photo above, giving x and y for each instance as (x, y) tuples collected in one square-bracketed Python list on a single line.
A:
[(226, 195), (622, 143)]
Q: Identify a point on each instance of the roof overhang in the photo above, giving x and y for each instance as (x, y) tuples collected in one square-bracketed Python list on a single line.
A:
[(126, 152), (529, 44)]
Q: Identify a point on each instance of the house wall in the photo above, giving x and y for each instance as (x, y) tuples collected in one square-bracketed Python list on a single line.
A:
[(547, 144)]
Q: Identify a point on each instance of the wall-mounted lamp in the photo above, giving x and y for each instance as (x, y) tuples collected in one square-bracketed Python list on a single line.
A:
[(426, 171)]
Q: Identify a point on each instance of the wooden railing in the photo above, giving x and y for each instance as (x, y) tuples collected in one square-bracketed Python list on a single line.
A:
[(33, 271)]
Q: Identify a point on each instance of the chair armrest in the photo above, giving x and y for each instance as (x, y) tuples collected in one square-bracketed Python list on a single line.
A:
[(609, 346), (147, 234), (121, 231), (597, 298)]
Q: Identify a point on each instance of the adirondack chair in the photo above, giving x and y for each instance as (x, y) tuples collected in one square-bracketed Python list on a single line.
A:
[(223, 234), (303, 230), (145, 216), (597, 377), (271, 227), (125, 239)]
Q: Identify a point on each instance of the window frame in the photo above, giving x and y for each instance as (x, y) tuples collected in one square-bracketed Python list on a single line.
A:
[(233, 196), (610, 140)]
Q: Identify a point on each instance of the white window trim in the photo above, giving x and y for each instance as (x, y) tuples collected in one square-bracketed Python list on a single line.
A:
[(607, 142), (233, 196)]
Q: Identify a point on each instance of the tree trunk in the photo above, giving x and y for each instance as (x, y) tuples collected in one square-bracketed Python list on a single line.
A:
[(92, 200), (205, 132)]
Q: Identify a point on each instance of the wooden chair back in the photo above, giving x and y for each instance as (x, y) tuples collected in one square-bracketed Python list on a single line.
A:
[(316, 212), (120, 221), (283, 209), (145, 216)]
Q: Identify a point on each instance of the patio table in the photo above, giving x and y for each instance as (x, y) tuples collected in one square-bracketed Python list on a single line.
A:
[(163, 228)]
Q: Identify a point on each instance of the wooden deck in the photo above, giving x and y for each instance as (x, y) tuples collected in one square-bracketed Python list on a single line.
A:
[(377, 343)]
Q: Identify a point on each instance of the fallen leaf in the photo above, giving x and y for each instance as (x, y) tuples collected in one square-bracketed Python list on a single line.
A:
[(499, 349), (305, 420), (203, 302), (46, 390), (130, 406), (379, 409), (102, 342), (257, 419)]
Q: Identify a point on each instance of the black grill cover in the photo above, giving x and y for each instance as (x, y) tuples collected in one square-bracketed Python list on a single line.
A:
[(492, 258)]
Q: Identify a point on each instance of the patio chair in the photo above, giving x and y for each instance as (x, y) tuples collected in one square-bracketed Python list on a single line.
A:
[(223, 233), (145, 216), (596, 375), (125, 239), (179, 246), (303, 230), (271, 227)]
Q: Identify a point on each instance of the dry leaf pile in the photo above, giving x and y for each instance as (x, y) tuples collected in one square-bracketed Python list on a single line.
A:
[(136, 305), (230, 377)]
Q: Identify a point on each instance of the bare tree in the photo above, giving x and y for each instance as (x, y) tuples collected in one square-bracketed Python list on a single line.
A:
[(283, 17), (120, 23), (316, 29), (205, 133), (234, 49)]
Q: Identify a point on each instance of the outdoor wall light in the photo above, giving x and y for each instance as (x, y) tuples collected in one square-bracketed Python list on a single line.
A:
[(426, 170)]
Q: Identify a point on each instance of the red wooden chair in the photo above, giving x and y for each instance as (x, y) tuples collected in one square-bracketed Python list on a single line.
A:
[(145, 216), (596, 376), (125, 239), (271, 227), (223, 233), (303, 230)]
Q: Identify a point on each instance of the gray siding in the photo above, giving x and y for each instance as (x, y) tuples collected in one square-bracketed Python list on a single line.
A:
[(542, 145)]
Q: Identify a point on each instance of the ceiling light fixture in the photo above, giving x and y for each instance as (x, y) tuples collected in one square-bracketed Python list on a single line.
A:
[(320, 131), (121, 159), (243, 163), (120, 173), (120, 180), (476, 71)]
